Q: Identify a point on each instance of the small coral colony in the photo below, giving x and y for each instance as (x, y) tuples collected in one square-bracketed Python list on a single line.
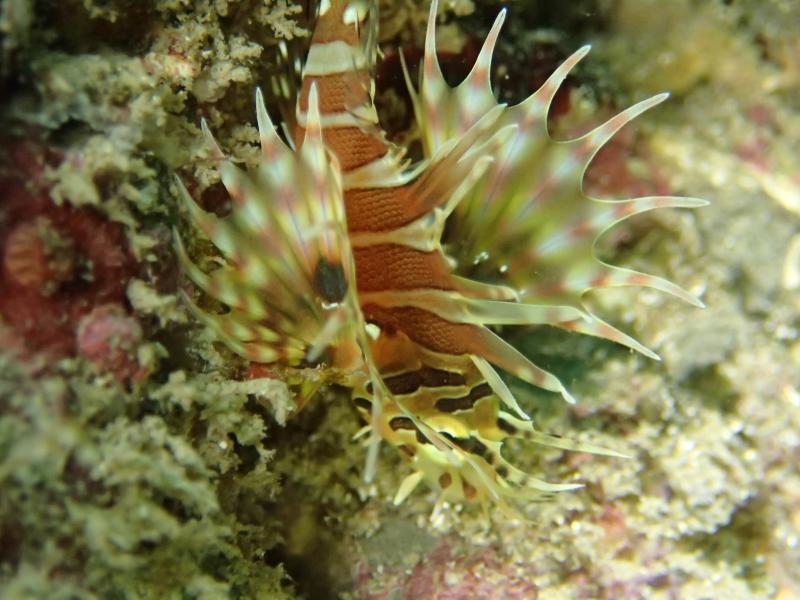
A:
[(335, 253)]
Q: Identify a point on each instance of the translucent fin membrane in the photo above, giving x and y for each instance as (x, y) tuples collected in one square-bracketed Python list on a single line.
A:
[(525, 208), (287, 278), (453, 431), (528, 212)]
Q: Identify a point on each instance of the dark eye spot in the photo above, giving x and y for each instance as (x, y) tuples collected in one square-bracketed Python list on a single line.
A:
[(465, 402), (470, 444), (398, 423), (506, 426), (408, 450), (468, 490), (410, 381), (363, 404), (329, 281)]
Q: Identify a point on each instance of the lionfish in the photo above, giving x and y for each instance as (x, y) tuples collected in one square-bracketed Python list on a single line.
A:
[(334, 253)]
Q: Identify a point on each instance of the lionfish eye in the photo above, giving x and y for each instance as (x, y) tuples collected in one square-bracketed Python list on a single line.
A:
[(329, 281)]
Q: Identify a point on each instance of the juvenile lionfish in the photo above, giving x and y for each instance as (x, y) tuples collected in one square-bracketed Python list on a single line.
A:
[(333, 253)]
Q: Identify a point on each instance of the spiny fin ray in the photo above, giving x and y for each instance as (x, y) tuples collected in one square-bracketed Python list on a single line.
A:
[(287, 219)]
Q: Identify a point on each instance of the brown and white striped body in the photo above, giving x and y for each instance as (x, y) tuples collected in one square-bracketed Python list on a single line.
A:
[(438, 397), (379, 209)]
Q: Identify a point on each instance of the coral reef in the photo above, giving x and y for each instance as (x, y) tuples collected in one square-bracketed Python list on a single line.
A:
[(58, 261), (132, 464), (101, 499), (139, 459), (109, 339)]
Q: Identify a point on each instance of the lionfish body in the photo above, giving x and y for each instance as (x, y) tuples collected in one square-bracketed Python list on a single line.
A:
[(334, 253)]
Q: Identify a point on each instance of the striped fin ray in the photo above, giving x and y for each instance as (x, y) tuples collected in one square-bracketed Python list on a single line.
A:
[(444, 412), (287, 278), (512, 198), (453, 306), (528, 213), (446, 179), (462, 108)]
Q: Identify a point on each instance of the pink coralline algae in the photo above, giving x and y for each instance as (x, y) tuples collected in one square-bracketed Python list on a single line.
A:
[(446, 575), (109, 338), (58, 262)]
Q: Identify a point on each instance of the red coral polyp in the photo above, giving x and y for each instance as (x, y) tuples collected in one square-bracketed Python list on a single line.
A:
[(38, 256), (109, 338), (58, 262)]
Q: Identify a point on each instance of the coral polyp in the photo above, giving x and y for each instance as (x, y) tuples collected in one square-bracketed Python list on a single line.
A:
[(58, 262), (334, 253)]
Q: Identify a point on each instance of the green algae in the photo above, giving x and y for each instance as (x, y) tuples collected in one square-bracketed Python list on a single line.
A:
[(102, 500), (161, 488)]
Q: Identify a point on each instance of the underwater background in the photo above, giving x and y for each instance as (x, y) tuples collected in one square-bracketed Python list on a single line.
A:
[(139, 458)]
